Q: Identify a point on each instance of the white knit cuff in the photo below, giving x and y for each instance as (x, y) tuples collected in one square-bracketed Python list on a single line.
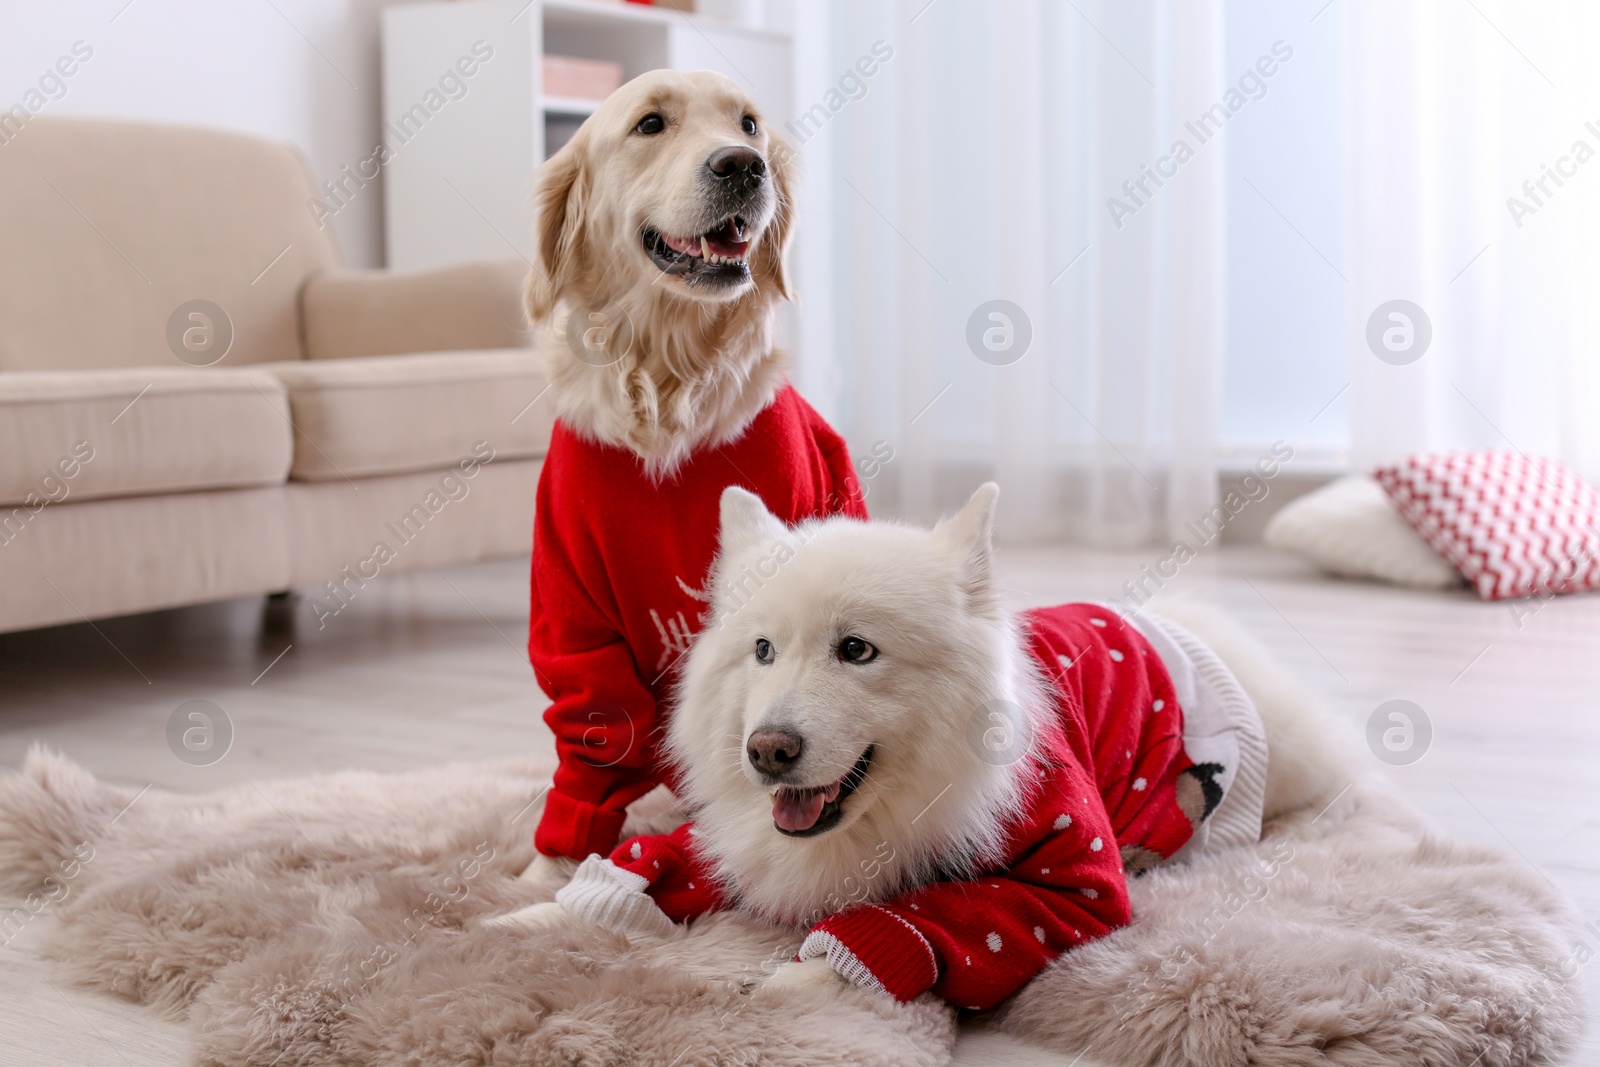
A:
[(841, 959), (609, 896)]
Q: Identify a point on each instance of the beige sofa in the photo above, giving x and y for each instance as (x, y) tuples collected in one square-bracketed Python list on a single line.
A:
[(355, 423)]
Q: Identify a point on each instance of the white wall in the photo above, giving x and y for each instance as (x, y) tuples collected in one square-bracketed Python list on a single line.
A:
[(301, 71)]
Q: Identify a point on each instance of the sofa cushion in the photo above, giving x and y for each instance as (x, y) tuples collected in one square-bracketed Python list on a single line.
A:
[(112, 229), (110, 557), (389, 414), (386, 313), (84, 434), (401, 522)]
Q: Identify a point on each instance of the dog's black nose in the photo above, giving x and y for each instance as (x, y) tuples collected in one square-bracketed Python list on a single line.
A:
[(738, 162), (773, 751)]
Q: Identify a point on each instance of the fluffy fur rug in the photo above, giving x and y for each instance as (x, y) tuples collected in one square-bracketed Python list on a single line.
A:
[(336, 921)]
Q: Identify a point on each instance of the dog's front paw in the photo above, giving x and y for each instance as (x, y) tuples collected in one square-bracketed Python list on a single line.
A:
[(534, 917), (815, 973), (553, 870)]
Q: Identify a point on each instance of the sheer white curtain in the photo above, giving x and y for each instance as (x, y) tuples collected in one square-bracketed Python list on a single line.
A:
[(1450, 109), (976, 164)]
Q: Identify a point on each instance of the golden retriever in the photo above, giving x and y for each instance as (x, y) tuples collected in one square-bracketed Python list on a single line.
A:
[(661, 235), (660, 239)]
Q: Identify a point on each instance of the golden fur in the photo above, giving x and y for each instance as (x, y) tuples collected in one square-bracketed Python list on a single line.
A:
[(701, 364)]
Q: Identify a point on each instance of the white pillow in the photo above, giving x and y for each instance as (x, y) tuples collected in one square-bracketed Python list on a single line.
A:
[(1350, 527)]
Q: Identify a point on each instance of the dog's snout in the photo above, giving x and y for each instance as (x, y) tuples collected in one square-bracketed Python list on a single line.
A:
[(737, 163), (774, 751)]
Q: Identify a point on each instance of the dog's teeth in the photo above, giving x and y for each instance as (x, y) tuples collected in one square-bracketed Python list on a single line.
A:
[(705, 247)]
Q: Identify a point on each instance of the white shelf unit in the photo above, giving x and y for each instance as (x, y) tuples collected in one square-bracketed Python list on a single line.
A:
[(458, 184), (563, 105)]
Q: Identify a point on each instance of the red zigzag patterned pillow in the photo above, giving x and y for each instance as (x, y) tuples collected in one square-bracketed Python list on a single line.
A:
[(1514, 525)]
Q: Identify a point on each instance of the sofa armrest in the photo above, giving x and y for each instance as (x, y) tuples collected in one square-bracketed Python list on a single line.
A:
[(386, 313)]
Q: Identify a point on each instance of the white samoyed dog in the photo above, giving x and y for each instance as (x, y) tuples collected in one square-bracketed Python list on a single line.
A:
[(893, 755), (815, 784), (885, 789)]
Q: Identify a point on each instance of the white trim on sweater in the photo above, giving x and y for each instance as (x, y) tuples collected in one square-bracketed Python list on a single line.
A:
[(822, 943), (841, 959)]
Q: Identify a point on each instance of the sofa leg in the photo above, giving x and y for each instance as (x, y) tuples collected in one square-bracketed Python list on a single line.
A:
[(277, 611)]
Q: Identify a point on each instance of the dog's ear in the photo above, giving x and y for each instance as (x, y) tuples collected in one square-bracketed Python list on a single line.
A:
[(561, 200), (969, 534), (772, 257), (745, 520)]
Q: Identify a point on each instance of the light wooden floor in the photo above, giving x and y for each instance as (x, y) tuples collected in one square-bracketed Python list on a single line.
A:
[(428, 668)]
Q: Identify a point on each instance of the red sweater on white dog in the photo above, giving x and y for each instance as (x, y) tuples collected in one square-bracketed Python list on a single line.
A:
[(1116, 792), (619, 559)]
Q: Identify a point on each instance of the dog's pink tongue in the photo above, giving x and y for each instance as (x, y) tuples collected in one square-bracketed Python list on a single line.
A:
[(724, 241), (797, 809)]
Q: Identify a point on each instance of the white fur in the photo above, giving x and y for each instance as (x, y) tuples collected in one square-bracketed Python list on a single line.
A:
[(536, 916), (551, 870), (930, 806), (814, 973)]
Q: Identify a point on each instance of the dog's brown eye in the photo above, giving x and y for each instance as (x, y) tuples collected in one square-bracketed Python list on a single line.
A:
[(651, 123), (764, 652), (748, 124), (855, 650)]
